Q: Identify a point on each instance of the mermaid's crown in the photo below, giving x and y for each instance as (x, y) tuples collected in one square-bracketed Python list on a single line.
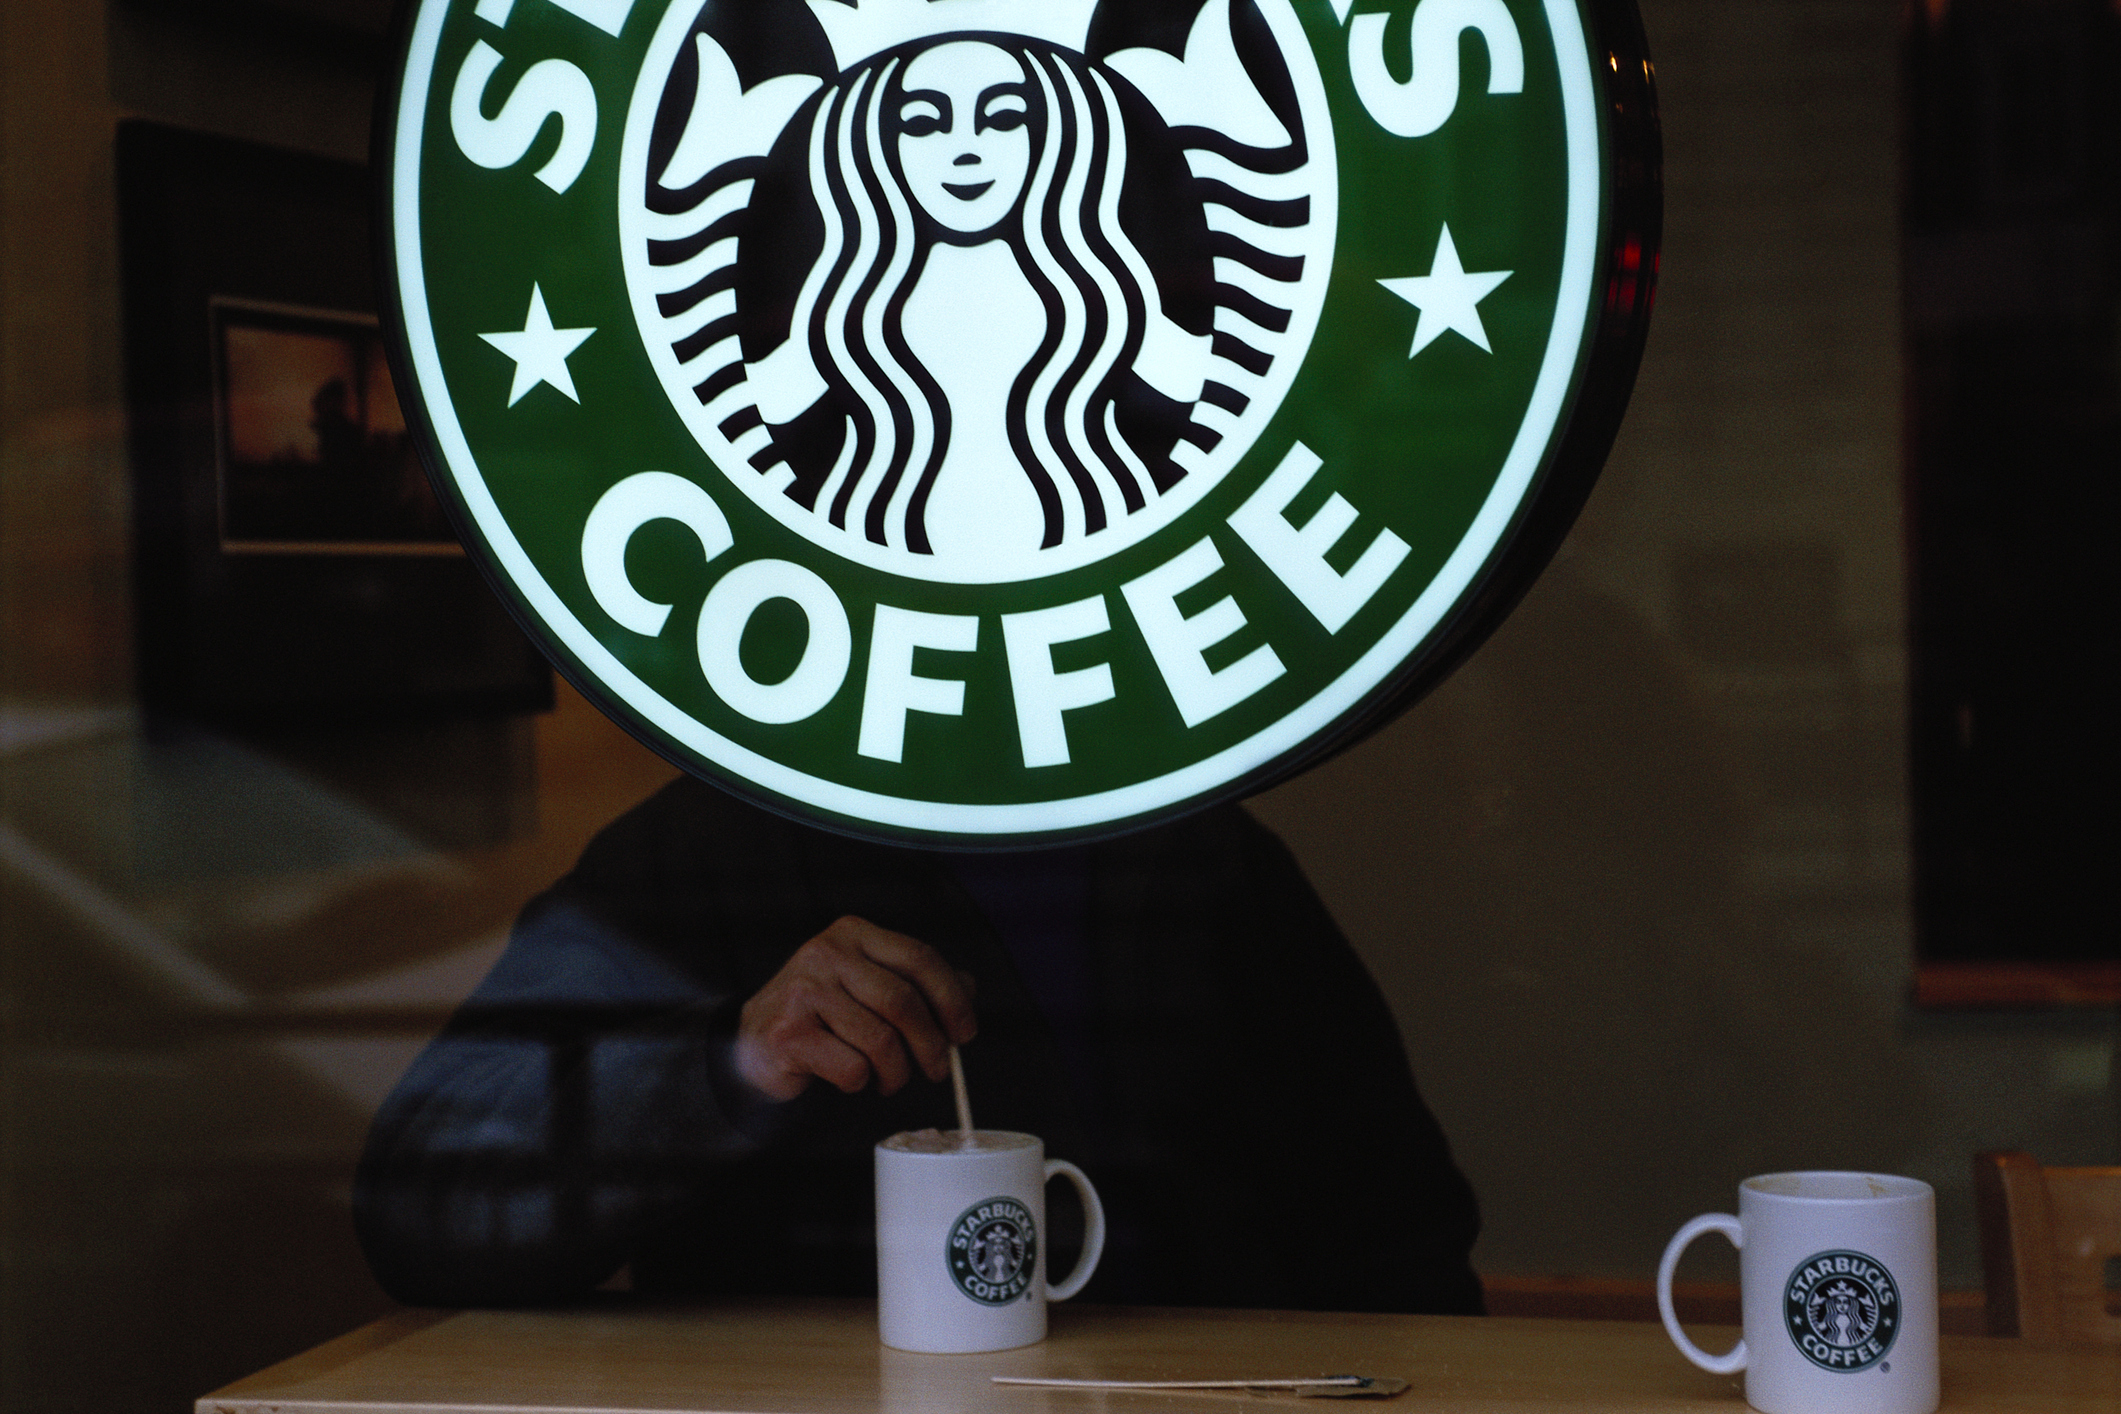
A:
[(868, 27)]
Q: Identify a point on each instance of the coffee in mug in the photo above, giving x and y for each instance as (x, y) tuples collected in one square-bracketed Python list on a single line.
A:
[(1838, 1282), (961, 1240)]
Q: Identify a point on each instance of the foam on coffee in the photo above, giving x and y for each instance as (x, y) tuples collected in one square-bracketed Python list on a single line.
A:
[(956, 1141)]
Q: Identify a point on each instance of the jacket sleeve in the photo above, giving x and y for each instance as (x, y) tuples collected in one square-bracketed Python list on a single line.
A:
[(572, 1106)]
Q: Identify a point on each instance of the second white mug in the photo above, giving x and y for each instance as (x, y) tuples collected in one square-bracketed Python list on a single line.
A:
[(1838, 1282)]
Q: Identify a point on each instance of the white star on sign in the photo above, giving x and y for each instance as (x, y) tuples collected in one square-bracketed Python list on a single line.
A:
[(540, 351), (1448, 297)]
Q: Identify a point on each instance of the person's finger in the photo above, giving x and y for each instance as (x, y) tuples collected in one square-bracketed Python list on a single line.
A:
[(772, 1069), (817, 1051), (871, 1035), (942, 985), (900, 1003)]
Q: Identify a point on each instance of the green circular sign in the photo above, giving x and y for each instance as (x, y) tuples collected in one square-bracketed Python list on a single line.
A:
[(1007, 421)]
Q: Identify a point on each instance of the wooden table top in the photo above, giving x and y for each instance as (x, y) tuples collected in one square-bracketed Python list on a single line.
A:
[(822, 1357)]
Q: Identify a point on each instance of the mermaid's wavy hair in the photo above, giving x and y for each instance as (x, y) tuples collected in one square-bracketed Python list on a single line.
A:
[(1066, 229)]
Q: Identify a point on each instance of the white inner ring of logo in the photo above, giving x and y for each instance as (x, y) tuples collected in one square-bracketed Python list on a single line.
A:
[(1302, 299), (1579, 270)]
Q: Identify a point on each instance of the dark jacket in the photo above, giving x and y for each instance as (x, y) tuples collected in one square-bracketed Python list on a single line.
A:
[(1247, 1111)]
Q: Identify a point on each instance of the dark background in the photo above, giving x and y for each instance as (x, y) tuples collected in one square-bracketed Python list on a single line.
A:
[(2014, 475)]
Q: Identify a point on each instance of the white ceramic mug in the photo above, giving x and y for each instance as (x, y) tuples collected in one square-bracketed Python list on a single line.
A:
[(1838, 1281), (961, 1240)]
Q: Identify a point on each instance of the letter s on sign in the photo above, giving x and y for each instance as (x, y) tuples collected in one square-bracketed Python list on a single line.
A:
[(551, 88), (1427, 99)]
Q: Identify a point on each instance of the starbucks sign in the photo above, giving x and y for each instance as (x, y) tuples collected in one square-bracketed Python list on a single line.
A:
[(1013, 420)]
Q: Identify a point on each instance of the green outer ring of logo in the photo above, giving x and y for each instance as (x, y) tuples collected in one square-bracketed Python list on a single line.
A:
[(1794, 1305), (1026, 1274), (1612, 230)]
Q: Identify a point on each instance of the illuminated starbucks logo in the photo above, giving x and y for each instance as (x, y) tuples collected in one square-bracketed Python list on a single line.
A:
[(1010, 419)]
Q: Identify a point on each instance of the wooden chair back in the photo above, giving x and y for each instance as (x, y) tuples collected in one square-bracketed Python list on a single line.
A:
[(2047, 1237)]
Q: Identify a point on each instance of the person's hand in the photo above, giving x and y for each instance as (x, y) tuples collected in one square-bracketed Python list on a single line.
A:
[(855, 1001)]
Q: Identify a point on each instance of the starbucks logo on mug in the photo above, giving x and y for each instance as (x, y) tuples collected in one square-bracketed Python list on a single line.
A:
[(1843, 1310), (994, 1251)]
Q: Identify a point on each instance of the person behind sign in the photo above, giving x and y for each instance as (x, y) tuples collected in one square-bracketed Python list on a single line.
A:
[(694, 1040)]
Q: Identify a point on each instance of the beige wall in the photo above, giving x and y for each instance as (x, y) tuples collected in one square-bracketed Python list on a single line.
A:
[(1636, 879)]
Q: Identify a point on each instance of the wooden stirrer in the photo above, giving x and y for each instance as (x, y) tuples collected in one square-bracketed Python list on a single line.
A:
[(964, 1099)]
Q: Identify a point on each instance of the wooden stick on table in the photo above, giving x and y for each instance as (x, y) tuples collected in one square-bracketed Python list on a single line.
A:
[(1343, 1386)]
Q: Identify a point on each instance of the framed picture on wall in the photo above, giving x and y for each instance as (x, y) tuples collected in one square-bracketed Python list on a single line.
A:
[(292, 563), (311, 453)]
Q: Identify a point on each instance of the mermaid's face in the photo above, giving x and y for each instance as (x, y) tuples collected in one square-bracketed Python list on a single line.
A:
[(964, 134)]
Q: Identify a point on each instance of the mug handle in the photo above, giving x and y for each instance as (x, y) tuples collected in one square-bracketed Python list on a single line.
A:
[(1732, 1361), (1093, 1230)]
